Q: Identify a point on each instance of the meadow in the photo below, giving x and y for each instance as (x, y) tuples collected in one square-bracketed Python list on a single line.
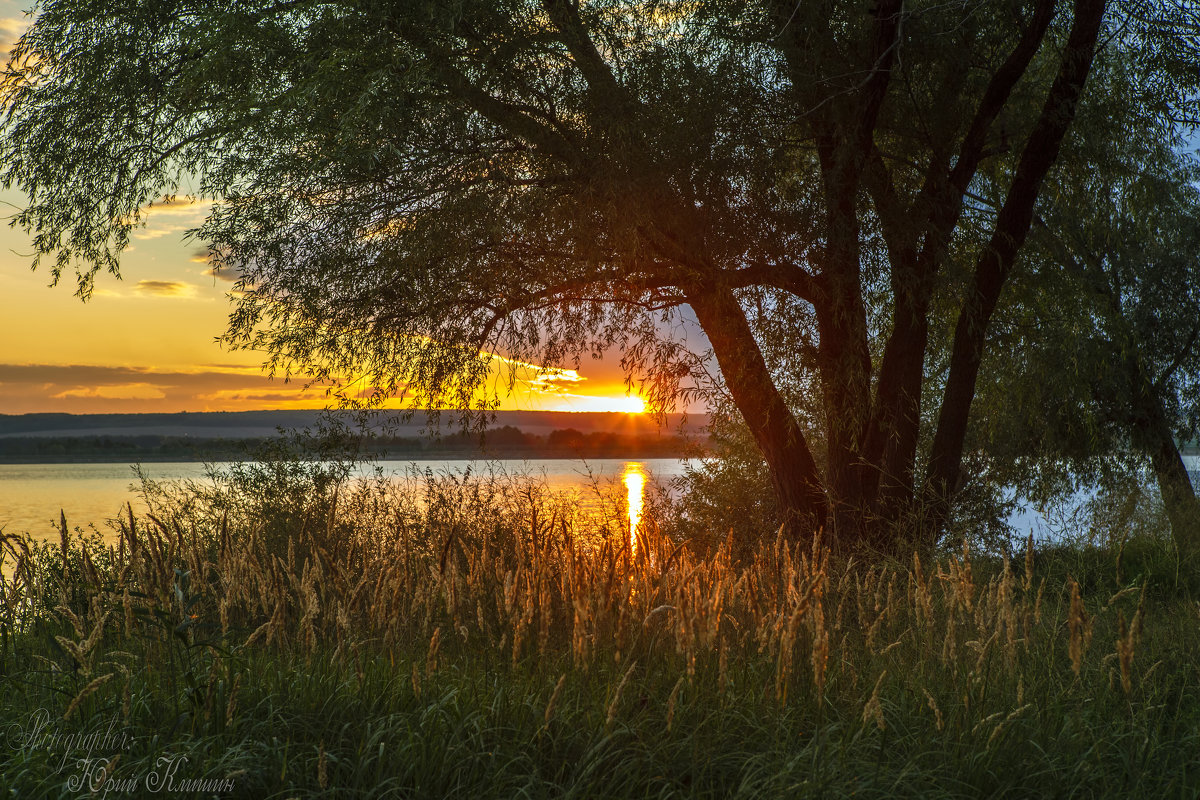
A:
[(290, 633)]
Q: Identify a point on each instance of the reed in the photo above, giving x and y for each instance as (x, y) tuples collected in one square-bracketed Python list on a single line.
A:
[(487, 597)]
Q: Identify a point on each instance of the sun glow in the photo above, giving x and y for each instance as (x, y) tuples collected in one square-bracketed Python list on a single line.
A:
[(630, 404), (626, 404)]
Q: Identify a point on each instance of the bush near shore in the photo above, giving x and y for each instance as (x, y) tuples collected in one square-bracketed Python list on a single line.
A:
[(289, 633)]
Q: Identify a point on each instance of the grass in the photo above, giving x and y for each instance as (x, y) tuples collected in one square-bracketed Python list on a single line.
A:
[(287, 635)]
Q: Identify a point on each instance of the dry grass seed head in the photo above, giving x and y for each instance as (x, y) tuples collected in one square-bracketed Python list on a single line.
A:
[(432, 655), (83, 694), (873, 710), (672, 700), (1079, 626), (554, 699), (938, 721), (611, 717)]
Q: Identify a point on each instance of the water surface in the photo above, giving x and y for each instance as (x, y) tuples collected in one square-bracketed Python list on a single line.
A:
[(31, 495)]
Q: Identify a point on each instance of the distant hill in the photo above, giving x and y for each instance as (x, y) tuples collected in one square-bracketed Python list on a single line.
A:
[(58, 438), (259, 424)]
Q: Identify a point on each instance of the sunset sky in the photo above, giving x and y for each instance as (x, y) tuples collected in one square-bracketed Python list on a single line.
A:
[(147, 343)]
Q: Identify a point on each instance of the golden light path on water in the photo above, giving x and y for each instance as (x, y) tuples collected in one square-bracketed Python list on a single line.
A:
[(634, 478)]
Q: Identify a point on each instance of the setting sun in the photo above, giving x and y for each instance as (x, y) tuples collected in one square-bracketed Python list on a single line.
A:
[(630, 404), (627, 404)]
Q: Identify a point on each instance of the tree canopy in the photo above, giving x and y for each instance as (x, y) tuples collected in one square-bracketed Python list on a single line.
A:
[(406, 187), (1097, 365)]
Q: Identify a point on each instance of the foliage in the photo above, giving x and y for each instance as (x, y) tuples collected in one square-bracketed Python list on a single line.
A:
[(1112, 282), (406, 189), (726, 493)]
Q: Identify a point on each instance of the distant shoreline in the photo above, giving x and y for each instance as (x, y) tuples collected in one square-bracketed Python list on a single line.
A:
[(444, 455), (242, 436), (406, 457), (501, 443), (254, 424)]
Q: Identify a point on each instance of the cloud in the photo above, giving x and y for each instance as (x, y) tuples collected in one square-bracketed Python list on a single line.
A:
[(172, 215), (123, 391), (164, 288), (225, 274), (11, 30), (84, 389), (546, 380), (71, 375), (261, 396), (26, 388), (242, 369), (556, 381)]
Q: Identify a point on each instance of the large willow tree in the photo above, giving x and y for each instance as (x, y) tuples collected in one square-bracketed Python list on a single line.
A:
[(407, 186)]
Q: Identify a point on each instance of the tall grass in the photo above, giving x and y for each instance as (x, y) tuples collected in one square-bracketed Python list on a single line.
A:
[(304, 636)]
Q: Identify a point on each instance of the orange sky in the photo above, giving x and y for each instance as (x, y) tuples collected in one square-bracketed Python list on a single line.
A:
[(146, 342)]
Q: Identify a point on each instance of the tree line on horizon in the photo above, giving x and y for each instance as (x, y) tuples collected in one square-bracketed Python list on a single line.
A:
[(504, 442)]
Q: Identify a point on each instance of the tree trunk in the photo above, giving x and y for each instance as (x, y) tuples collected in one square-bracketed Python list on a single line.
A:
[(891, 446), (991, 272), (1174, 484), (1151, 433), (844, 358), (794, 474)]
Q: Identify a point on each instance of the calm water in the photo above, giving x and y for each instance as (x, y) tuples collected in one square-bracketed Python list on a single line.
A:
[(32, 494), (1028, 520)]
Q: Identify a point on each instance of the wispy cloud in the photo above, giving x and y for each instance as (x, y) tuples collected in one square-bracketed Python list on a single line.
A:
[(172, 215), (11, 29), (557, 381), (83, 388), (264, 398), (541, 380), (164, 288), (120, 391), (96, 389), (225, 273)]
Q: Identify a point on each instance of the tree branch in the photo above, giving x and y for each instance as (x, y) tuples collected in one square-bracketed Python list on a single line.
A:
[(791, 278), (996, 261), (996, 95)]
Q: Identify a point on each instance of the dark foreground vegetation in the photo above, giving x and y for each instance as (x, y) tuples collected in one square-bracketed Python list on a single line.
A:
[(280, 632)]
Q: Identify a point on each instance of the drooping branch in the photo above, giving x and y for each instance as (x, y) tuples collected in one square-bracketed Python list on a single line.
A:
[(992, 270), (896, 411), (995, 97), (789, 278), (511, 119), (565, 16)]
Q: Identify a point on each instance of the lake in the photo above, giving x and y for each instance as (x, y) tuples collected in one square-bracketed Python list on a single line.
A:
[(32, 494)]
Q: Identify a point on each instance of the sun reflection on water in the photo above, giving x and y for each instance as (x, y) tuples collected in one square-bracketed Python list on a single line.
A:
[(634, 478)]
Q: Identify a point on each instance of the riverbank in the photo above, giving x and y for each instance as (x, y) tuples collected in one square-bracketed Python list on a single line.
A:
[(296, 639)]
